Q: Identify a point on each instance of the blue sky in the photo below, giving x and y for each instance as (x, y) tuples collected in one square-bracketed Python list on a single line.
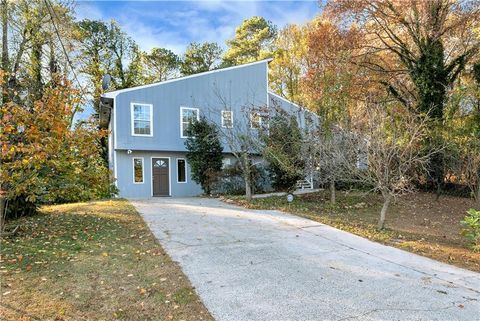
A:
[(174, 24)]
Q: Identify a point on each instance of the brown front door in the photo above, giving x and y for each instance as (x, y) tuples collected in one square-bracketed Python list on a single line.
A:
[(160, 174)]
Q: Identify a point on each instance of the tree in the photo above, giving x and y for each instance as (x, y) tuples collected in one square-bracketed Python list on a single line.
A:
[(338, 154), (126, 65), (417, 49), (332, 85), (394, 151), (161, 64), (32, 54), (289, 62), (283, 151), (5, 63), (204, 153), (253, 41), (462, 132), (43, 159), (93, 37), (243, 139), (200, 58)]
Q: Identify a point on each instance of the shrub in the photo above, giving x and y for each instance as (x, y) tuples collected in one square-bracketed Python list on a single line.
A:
[(231, 181), (472, 228), (283, 151), (204, 153), (45, 159)]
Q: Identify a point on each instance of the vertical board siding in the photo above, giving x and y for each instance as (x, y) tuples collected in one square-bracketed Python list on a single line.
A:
[(238, 88)]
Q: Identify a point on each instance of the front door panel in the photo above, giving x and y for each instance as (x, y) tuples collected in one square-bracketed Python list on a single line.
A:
[(160, 176)]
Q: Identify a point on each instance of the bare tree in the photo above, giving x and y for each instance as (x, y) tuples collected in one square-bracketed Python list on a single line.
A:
[(243, 136), (338, 156), (394, 151)]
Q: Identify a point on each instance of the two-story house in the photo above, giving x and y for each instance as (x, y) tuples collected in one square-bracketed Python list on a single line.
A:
[(148, 124)]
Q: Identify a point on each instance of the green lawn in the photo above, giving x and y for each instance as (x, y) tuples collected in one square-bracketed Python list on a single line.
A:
[(416, 222), (92, 261)]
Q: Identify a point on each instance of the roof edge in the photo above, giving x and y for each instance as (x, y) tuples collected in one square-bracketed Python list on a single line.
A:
[(113, 94), (270, 92)]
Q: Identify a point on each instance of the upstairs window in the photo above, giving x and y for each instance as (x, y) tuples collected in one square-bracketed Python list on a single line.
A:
[(255, 120), (181, 170), (187, 116), (227, 118), (226, 162), (138, 170), (141, 119)]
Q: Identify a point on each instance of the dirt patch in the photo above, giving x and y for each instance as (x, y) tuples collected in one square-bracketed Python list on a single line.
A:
[(92, 261)]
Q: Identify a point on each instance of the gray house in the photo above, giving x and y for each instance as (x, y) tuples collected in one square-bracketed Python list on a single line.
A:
[(148, 124)]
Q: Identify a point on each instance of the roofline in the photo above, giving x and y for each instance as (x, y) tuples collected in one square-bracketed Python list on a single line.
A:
[(292, 103), (113, 94)]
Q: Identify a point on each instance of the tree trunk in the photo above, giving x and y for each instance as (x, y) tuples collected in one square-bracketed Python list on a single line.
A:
[(387, 197), (2, 212), (332, 191), (36, 87), (248, 189), (247, 177), (477, 198), (5, 58)]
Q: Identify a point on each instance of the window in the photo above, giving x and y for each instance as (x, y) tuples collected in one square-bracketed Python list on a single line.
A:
[(226, 162), (181, 170), (138, 170), (255, 120), (187, 116), (141, 119), (227, 118)]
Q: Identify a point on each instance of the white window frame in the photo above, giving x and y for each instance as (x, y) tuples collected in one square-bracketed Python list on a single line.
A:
[(143, 170), (226, 162), (259, 121), (180, 158), (182, 108), (231, 118), (132, 115)]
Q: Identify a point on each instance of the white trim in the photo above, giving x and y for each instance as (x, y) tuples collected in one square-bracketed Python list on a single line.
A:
[(180, 158), (292, 103), (231, 117), (150, 106), (113, 94), (115, 175), (181, 120), (143, 169), (259, 120), (169, 174)]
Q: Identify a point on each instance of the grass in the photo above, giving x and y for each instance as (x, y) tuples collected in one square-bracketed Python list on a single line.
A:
[(416, 223), (92, 261)]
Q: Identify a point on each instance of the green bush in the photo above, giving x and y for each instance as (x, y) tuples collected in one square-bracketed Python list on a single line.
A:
[(472, 228)]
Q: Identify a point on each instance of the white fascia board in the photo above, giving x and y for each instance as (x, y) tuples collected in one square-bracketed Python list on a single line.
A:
[(113, 94)]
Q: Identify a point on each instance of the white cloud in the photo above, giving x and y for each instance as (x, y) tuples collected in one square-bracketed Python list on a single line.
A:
[(175, 25), (87, 10)]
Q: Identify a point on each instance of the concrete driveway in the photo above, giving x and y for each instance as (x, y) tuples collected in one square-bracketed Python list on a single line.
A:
[(254, 265)]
